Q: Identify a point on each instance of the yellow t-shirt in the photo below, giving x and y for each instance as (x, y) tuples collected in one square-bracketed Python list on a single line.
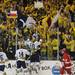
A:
[(55, 44), (68, 44), (60, 20), (3, 27), (13, 32), (67, 7), (72, 8)]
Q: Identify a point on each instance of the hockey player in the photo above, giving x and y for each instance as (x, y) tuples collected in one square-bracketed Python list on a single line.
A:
[(3, 59), (35, 57), (66, 62), (20, 56), (35, 60)]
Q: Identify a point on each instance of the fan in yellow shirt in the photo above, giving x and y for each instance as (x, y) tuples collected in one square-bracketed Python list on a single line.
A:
[(69, 44), (3, 27), (63, 20), (72, 7), (67, 8), (13, 32), (54, 44), (72, 29)]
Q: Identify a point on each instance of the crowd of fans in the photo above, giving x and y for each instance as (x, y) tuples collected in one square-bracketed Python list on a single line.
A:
[(31, 27)]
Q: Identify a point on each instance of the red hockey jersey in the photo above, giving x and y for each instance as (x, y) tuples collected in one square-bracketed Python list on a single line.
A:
[(66, 60)]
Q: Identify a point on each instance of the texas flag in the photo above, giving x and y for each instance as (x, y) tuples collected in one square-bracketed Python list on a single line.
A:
[(12, 14)]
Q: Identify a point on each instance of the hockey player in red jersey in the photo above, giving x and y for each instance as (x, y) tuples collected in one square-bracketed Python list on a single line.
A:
[(66, 62)]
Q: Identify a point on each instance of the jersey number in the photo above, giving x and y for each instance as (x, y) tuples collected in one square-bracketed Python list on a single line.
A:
[(21, 54)]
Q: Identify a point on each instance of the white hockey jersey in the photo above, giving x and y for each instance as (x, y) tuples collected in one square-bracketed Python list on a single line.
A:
[(3, 57), (21, 54)]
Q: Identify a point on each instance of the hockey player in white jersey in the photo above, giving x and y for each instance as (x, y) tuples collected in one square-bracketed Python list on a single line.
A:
[(3, 59), (20, 56)]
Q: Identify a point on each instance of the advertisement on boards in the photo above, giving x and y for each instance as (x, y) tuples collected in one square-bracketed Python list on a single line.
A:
[(43, 68)]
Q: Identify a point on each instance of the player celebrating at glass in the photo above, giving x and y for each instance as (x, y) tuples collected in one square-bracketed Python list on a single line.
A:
[(20, 56)]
